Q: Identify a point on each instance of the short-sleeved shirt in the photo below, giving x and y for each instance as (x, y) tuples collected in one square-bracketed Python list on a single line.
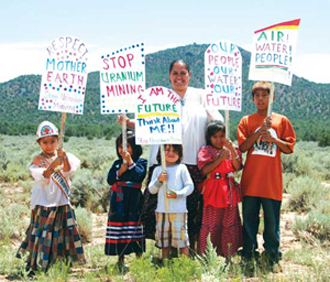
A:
[(262, 173)]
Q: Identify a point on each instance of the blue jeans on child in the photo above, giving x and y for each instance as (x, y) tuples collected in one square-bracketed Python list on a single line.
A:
[(271, 235)]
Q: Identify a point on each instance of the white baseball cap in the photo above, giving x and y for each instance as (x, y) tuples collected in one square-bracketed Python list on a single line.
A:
[(46, 129)]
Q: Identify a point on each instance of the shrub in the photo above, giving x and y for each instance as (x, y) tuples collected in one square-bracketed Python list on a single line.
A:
[(14, 213), (177, 269), (26, 186), (323, 206), (211, 263), (287, 179), (15, 172), (4, 161), (10, 265), (58, 271), (324, 140), (316, 224), (297, 163), (142, 269), (84, 222), (89, 191), (303, 256), (180, 269), (306, 193)]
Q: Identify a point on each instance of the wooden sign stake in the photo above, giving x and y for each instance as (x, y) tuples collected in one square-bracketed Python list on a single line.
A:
[(162, 156)]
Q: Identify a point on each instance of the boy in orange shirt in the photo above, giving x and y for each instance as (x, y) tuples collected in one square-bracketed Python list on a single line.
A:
[(264, 139)]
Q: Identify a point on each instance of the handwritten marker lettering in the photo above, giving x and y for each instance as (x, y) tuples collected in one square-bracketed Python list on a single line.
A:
[(122, 79), (273, 50), (157, 116), (223, 76), (63, 84)]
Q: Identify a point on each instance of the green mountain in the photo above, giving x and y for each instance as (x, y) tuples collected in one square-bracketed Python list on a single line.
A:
[(305, 103)]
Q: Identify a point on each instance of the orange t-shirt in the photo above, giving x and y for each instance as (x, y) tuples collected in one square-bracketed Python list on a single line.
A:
[(262, 173)]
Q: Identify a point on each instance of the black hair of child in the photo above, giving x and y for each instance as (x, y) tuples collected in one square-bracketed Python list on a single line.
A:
[(176, 148), (137, 149), (212, 128), (261, 85), (180, 61)]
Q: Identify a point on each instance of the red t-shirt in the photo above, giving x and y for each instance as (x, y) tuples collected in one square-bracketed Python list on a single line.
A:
[(262, 173)]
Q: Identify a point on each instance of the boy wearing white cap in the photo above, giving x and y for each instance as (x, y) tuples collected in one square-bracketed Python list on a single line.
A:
[(52, 233)]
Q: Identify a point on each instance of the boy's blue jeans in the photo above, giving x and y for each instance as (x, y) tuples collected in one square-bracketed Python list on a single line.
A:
[(271, 235)]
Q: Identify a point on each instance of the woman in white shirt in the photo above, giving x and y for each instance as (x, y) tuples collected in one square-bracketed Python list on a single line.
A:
[(195, 116)]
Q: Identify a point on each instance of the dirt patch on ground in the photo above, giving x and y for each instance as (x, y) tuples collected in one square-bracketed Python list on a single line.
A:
[(99, 223)]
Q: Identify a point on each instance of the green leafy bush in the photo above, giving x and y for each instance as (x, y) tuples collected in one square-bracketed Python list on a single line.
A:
[(142, 269)]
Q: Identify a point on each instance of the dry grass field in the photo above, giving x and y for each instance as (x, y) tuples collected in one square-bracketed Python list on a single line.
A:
[(305, 221)]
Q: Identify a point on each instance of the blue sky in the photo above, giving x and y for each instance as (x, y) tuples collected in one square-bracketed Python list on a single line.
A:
[(29, 26)]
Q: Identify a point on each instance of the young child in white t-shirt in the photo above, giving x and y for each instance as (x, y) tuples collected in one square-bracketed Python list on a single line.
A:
[(171, 212)]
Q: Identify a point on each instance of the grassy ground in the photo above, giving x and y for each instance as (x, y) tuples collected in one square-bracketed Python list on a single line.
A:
[(305, 226)]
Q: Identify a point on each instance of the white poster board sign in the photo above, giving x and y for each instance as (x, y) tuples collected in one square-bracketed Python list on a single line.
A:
[(122, 79), (223, 76), (273, 51), (158, 117), (63, 84)]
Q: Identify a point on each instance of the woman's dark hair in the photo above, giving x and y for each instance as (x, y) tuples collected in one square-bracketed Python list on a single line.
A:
[(137, 149), (180, 61), (212, 128), (176, 148)]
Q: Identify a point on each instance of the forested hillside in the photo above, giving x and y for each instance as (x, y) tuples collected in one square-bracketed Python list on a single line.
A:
[(305, 103)]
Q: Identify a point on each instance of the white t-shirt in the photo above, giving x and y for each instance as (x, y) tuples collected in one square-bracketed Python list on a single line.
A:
[(45, 192), (178, 180), (194, 118)]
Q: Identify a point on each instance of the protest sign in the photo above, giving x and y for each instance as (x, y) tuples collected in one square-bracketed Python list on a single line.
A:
[(223, 76), (122, 78), (63, 84), (158, 117), (273, 51)]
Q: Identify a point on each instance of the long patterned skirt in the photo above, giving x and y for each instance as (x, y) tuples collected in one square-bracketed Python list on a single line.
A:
[(125, 233), (52, 235), (225, 230)]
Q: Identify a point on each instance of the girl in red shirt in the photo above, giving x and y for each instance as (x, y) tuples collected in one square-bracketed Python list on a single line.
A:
[(221, 194)]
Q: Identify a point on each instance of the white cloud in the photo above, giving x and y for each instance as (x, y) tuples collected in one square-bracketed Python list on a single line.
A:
[(247, 47), (314, 67), (28, 58), (21, 58)]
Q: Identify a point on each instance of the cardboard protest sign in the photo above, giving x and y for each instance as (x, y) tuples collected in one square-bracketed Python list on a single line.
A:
[(273, 51), (158, 117), (223, 76), (63, 84), (122, 79)]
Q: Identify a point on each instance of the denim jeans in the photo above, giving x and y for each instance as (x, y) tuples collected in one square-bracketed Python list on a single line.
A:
[(271, 235)]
